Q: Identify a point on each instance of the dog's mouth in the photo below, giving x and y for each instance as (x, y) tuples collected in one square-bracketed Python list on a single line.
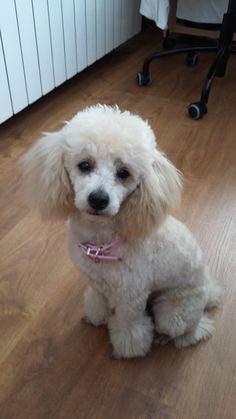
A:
[(95, 213)]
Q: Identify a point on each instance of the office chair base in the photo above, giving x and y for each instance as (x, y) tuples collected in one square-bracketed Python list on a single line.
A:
[(224, 48)]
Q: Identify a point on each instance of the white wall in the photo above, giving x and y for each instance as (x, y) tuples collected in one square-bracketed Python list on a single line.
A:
[(45, 42)]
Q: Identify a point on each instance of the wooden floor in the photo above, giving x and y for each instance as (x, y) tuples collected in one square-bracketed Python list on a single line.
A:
[(51, 364)]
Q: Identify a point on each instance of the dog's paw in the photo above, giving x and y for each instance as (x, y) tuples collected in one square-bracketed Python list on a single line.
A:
[(131, 342), (94, 322), (85, 319), (115, 357)]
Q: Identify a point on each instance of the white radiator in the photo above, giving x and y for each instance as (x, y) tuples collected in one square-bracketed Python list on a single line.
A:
[(45, 42)]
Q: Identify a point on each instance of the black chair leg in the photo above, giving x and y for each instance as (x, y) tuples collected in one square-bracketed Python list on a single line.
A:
[(217, 65), (221, 68), (197, 110), (144, 78)]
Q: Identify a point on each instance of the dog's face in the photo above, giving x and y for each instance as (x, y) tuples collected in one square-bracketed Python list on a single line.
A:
[(105, 159), (105, 163), (100, 181)]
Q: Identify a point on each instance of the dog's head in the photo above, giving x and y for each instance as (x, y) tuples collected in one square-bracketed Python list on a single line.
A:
[(103, 162)]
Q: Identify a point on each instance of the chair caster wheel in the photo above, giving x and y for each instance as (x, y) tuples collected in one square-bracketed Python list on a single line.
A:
[(191, 58), (197, 110), (143, 79), (168, 42)]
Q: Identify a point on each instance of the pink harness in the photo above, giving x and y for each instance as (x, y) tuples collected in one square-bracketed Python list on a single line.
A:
[(102, 252)]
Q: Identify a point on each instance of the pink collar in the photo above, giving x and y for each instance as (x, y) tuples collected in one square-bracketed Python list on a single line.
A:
[(101, 252)]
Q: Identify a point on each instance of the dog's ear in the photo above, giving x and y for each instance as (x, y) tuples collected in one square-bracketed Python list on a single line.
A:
[(46, 181), (158, 193)]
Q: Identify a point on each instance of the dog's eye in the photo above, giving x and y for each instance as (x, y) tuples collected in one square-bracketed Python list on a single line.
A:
[(122, 173), (85, 166)]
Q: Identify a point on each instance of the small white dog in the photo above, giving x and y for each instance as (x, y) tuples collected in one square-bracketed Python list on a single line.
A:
[(103, 172)]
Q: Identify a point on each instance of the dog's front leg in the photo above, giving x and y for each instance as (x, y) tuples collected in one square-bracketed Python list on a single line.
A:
[(131, 330), (97, 311)]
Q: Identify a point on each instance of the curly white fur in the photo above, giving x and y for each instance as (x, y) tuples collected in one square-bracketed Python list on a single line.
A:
[(159, 257)]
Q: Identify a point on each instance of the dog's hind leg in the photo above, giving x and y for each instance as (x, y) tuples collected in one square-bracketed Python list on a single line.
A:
[(179, 315), (202, 331)]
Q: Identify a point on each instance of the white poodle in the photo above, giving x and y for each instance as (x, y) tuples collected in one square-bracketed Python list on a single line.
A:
[(103, 172)]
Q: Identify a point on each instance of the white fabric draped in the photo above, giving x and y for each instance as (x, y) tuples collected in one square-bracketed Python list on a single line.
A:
[(202, 11)]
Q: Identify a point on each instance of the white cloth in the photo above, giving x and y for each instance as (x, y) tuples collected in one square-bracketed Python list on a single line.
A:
[(201, 11), (157, 10)]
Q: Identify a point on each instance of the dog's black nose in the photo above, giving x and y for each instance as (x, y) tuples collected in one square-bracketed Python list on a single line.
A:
[(98, 200)]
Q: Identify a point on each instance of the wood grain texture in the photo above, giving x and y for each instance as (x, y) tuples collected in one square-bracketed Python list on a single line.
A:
[(51, 364)]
